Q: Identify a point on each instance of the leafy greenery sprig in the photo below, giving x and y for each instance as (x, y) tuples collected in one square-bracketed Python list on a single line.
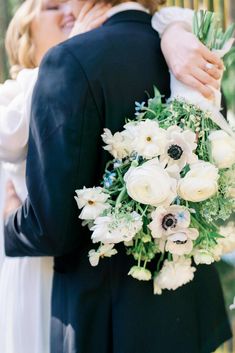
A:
[(208, 27)]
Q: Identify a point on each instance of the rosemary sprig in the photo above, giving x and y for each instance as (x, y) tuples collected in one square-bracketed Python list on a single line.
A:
[(207, 26)]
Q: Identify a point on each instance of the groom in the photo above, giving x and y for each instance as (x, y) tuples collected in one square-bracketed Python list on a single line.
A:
[(85, 84)]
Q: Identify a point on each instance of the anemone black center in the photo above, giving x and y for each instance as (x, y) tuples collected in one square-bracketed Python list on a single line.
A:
[(180, 242), (169, 221), (175, 152)]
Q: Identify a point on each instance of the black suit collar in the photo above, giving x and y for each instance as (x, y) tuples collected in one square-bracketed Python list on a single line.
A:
[(129, 16)]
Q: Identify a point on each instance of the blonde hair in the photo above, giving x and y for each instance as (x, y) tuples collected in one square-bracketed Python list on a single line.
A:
[(19, 45)]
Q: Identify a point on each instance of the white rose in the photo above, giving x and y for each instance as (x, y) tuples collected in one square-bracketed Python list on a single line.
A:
[(140, 273), (150, 184), (200, 183), (222, 149), (173, 275)]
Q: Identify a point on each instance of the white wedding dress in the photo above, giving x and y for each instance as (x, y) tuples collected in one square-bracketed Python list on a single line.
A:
[(25, 283)]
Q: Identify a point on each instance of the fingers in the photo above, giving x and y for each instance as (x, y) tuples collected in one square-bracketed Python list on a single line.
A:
[(98, 22), (10, 189), (11, 193), (197, 85), (97, 10), (91, 11), (85, 10), (213, 71), (205, 78), (91, 16), (12, 202), (211, 57)]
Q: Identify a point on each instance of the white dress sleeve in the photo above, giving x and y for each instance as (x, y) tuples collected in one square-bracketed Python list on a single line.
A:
[(168, 15), (14, 116)]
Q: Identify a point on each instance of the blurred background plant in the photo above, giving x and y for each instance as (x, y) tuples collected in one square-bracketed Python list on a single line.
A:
[(7, 8)]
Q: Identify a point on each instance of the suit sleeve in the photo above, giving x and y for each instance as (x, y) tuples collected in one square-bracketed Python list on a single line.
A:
[(63, 154)]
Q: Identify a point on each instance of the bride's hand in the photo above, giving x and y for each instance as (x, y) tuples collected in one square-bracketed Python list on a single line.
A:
[(12, 202), (190, 61), (90, 17)]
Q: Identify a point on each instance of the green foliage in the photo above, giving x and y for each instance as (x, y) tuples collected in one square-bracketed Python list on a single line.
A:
[(208, 27), (229, 79)]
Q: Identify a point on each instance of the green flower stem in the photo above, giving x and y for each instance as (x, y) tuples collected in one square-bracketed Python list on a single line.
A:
[(199, 224), (150, 111), (145, 263), (120, 197), (160, 261), (140, 253)]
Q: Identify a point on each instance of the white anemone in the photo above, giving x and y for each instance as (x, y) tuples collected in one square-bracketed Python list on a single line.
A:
[(93, 202), (180, 147), (148, 139), (181, 242), (166, 220), (103, 251)]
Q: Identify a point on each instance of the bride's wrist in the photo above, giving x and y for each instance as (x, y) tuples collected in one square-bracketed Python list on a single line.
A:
[(177, 26)]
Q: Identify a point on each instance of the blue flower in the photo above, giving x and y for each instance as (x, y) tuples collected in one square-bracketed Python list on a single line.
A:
[(181, 216), (139, 107), (117, 163), (109, 178)]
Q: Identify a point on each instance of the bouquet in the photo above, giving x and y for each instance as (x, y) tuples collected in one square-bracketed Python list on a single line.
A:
[(171, 178)]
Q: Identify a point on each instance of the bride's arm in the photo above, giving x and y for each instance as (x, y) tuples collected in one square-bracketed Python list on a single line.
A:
[(185, 55), (11, 123), (14, 124)]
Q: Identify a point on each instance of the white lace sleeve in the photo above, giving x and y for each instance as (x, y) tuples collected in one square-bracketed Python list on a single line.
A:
[(168, 15), (14, 121)]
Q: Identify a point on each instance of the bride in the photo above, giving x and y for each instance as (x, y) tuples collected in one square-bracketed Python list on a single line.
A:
[(26, 282)]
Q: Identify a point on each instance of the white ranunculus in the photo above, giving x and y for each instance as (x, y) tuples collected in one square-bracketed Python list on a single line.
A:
[(103, 251), (203, 256), (232, 306), (93, 202), (173, 275), (228, 232), (230, 182), (166, 220), (150, 184), (200, 183), (140, 273), (118, 145), (208, 256), (181, 242), (180, 147), (222, 149), (148, 139), (116, 228)]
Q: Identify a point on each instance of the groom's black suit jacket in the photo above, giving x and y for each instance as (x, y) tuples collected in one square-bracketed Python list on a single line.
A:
[(85, 84)]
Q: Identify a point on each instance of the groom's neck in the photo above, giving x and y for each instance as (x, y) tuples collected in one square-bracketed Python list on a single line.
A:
[(151, 5)]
